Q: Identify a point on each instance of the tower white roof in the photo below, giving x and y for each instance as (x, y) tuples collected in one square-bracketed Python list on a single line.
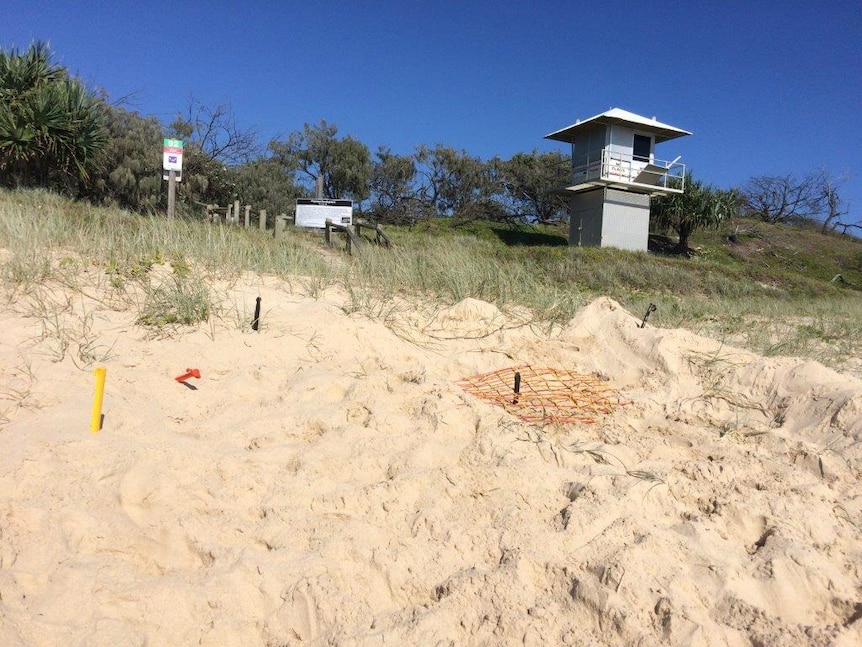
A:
[(662, 132)]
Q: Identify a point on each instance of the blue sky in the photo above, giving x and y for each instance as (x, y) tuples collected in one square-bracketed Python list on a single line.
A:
[(767, 88)]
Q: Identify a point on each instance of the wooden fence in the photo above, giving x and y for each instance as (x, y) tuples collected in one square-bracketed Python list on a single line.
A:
[(353, 234), (234, 214)]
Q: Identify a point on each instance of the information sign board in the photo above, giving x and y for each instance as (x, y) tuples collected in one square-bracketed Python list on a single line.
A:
[(314, 213)]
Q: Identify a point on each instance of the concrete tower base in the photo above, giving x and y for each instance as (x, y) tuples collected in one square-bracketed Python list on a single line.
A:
[(606, 217)]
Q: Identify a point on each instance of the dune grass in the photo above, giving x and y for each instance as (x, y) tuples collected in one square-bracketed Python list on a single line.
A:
[(770, 291)]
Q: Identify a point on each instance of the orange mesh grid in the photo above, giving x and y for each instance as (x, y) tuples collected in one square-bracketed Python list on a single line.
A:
[(548, 395)]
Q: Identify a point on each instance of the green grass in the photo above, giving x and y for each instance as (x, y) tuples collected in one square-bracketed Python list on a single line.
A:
[(771, 289), (182, 300)]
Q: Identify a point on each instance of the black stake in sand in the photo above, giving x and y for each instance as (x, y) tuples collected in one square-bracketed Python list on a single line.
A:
[(650, 309), (256, 321), (517, 387)]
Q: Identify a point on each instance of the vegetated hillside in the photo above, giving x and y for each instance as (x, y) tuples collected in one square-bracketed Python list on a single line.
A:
[(780, 251), (743, 258)]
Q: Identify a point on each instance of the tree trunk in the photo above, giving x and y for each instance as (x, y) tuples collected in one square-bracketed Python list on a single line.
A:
[(684, 230)]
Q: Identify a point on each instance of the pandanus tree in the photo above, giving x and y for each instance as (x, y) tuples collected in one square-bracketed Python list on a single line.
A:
[(699, 207), (52, 128)]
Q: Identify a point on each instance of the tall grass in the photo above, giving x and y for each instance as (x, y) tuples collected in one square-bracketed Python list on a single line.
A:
[(755, 304), (32, 223), (48, 239), (453, 269)]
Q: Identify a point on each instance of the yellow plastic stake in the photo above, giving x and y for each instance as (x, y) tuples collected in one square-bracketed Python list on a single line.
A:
[(96, 421)]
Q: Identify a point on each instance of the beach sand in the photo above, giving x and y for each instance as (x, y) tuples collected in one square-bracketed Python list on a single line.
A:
[(328, 481)]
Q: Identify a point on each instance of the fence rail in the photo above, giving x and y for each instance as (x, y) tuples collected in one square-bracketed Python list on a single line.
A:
[(353, 234), (230, 214)]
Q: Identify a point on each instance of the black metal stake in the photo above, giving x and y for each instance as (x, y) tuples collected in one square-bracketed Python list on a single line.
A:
[(256, 321), (517, 387), (650, 309)]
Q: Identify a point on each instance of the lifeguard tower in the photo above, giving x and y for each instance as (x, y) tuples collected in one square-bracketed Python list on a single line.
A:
[(614, 174)]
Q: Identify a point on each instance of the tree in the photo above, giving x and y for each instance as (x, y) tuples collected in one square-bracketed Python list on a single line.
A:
[(215, 132), (394, 197), (205, 180), (832, 203), (436, 182), (699, 207), (262, 182), (132, 174), (213, 147), (52, 128), (344, 165), (530, 181), (812, 199), (782, 199), (452, 183)]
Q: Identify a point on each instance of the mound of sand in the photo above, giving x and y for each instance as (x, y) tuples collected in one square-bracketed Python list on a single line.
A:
[(326, 482)]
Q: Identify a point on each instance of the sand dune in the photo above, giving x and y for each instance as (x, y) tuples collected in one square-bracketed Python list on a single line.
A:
[(327, 482)]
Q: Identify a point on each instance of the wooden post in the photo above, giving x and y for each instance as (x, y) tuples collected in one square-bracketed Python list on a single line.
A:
[(247, 215), (236, 212), (280, 224), (262, 221), (327, 236), (172, 193), (209, 213), (227, 213), (381, 236), (352, 242)]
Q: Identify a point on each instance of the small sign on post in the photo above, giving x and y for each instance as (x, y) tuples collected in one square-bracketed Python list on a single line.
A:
[(172, 162), (172, 156)]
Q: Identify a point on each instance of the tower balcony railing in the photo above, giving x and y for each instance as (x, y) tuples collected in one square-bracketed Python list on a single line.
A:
[(611, 168)]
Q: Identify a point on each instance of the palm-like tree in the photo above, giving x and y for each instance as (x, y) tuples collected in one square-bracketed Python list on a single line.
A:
[(699, 207), (52, 129)]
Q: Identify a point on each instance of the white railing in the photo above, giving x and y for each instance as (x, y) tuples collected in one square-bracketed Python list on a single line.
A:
[(610, 167)]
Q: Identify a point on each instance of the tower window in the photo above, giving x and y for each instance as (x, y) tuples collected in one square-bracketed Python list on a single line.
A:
[(641, 148)]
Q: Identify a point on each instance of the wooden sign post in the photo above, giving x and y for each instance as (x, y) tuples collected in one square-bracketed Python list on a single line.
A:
[(172, 162), (172, 193)]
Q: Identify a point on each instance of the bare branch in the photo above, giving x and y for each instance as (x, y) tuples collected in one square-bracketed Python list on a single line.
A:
[(782, 199), (834, 206), (217, 134)]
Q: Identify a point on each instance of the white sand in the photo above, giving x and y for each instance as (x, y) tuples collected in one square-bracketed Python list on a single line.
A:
[(328, 483)]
